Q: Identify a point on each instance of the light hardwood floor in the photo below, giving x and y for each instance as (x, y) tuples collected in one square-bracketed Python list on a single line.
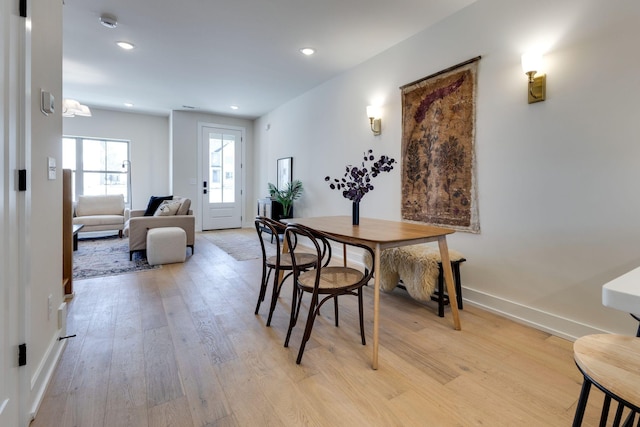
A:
[(180, 346)]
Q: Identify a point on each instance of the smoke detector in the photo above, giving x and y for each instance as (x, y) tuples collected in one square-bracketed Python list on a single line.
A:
[(108, 20)]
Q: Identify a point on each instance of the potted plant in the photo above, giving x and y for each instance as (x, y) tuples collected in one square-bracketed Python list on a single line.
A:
[(286, 196)]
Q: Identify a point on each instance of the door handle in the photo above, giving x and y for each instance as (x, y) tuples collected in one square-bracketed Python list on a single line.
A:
[(204, 186)]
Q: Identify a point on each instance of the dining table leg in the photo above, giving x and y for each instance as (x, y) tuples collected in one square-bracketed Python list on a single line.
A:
[(448, 278), (344, 254), (376, 305)]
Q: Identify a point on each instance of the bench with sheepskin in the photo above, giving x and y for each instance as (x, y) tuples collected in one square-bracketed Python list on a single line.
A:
[(418, 269)]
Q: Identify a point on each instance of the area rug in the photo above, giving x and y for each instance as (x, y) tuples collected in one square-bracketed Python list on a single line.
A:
[(106, 256), (240, 243)]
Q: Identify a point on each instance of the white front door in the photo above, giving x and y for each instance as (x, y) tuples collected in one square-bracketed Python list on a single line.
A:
[(222, 178), (11, 310)]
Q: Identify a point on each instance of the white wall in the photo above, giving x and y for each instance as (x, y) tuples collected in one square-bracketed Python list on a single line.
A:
[(557, 180), (186, 159), (43, 240), (149, 147)]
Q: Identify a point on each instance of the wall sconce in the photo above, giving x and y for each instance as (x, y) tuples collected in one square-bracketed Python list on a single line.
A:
[(374, 118), (531, 63), (72, 108)]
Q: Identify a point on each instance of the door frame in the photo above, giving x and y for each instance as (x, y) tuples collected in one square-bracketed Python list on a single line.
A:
[(15, 124), (243, 174)]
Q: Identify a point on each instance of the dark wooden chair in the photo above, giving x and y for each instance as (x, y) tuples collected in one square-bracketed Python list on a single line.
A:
[(276, 263), (322, 281)]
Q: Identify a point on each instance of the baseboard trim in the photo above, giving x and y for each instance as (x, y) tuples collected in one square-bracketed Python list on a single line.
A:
[(538, 319), (43, 374)]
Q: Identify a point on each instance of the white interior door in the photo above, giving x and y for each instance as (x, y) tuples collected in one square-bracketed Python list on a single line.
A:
[(9, 391), (222, 178), (11, 309)]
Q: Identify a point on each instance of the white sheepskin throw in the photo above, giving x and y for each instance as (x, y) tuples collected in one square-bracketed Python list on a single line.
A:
[(416, 266)]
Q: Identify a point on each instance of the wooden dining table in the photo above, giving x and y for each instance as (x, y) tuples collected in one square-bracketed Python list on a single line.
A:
[(379, 235)]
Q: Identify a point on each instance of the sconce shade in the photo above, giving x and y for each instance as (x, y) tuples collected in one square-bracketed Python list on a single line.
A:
[(374, 118), (531, 62), (537, 86), (372, 112)]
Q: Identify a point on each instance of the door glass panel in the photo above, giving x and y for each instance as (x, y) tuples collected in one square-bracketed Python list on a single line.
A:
[(215, 168), (229, 159), (222, 168)]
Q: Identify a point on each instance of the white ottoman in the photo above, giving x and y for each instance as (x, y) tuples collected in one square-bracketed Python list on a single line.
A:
[(166, 245)]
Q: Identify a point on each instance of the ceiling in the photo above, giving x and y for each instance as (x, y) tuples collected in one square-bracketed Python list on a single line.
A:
[(207, 55)]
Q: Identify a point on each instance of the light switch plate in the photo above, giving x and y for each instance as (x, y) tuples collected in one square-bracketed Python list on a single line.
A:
[(51, 167)]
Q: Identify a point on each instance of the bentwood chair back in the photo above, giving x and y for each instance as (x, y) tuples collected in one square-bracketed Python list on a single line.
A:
[(322, 281), (275, 263)]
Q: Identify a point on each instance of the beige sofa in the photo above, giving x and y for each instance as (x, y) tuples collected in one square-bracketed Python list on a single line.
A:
[(100, 213), (137, 225)]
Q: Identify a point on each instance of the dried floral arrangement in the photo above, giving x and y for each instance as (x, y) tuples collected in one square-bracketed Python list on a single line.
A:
[(356, 181)]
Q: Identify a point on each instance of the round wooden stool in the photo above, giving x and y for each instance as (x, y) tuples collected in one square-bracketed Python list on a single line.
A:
[(611, 363)]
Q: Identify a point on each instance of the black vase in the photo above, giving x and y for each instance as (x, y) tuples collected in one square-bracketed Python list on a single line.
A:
[(355, 213)]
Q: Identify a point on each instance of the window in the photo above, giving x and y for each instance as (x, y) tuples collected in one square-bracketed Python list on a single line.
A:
[(98, 166)]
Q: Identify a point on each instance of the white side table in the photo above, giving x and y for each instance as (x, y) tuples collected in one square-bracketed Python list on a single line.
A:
[(623, 293)]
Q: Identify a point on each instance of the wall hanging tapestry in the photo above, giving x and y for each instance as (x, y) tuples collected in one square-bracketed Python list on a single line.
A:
[(438, 160)]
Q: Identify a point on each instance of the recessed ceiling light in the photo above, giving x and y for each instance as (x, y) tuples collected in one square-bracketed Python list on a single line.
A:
[(128, 104), (307, 51), (125, 45), (234, 107)]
